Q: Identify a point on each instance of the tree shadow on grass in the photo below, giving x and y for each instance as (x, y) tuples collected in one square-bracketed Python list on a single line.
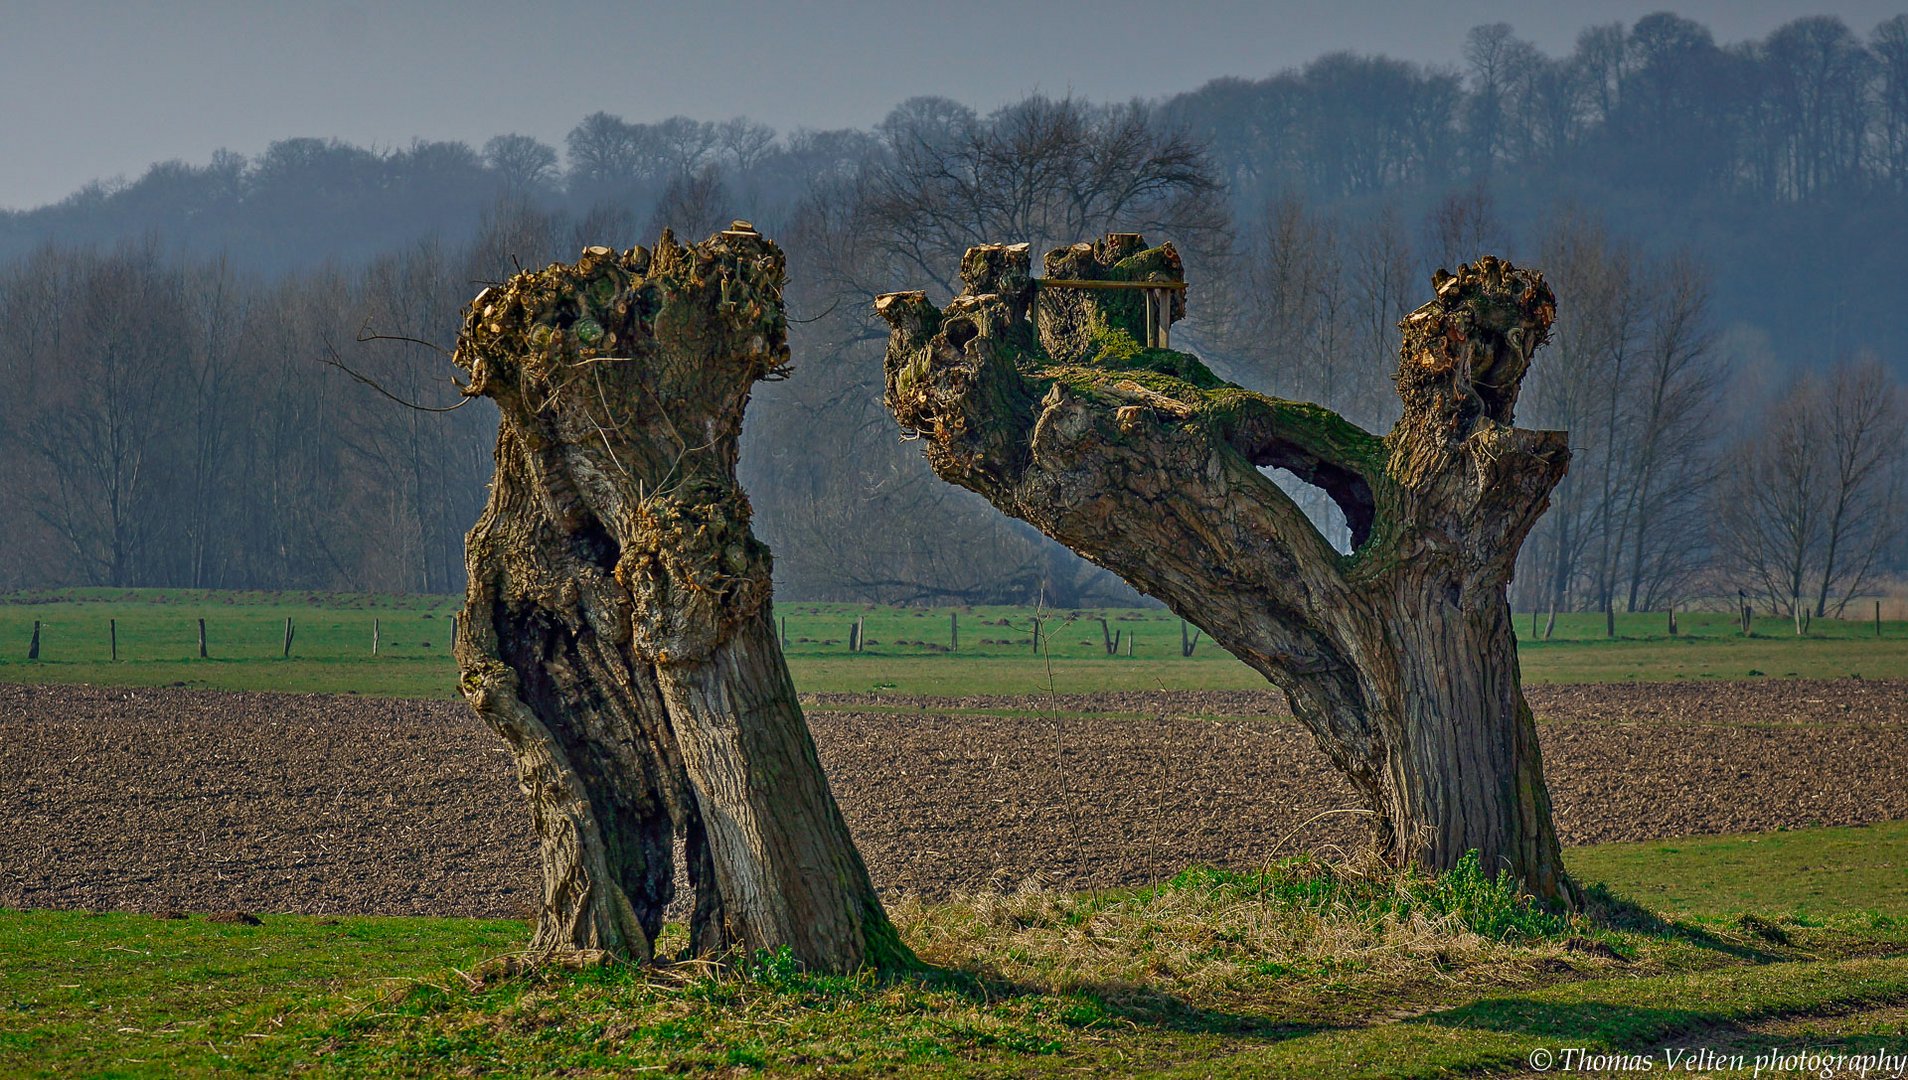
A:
[(1614, 912), (1092, 1004), (1574, 1022)]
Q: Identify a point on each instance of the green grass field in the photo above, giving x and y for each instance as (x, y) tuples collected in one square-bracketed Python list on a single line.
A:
[(1794, 939), (908, 650)]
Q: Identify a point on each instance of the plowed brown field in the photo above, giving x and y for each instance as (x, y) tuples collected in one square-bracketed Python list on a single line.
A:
[(200, 800)]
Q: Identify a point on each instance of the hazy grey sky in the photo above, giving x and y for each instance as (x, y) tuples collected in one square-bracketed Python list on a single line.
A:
[(91, 89)]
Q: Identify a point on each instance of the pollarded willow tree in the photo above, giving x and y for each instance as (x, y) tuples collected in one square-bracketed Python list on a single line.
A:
[(617, 629), (1398, 656)]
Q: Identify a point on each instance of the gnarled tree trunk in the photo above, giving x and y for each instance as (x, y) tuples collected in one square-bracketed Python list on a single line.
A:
[(1399, 656), (617, 628)]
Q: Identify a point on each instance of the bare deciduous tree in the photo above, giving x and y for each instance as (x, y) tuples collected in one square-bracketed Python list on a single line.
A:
[(97, 430), (524, 164), (1674, 396), (1862, 439), (617, 631), (1811, 501), (1398, 657)]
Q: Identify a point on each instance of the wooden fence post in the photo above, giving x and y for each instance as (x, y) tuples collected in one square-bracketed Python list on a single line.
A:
[(1106, 638), (288, 636), (954, 631), (112, 636), (1187, 645), (33, 650), (784, 631), (377, 629), (201, 639), (1878, 618), (1036, 636), (854, 635)]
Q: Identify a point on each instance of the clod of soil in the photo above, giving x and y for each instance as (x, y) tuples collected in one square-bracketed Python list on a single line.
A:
[(159, 800)]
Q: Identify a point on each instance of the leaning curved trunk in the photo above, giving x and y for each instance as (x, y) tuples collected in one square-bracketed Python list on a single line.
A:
[(1055, 400), (617, 628)]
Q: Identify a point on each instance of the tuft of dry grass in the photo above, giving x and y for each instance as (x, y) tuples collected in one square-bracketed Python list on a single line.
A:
[(1289, 931)]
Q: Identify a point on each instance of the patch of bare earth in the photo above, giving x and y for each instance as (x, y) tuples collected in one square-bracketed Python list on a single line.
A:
[(202, 800)]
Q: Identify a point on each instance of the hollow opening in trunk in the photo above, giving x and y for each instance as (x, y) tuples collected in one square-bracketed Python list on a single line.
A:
[(1347, 523), (1327, 516)]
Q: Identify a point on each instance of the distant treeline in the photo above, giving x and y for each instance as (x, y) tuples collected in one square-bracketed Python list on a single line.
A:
[(1722, 224)]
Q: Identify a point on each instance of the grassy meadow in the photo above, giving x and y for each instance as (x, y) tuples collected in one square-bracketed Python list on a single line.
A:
[(907, 650), (1296, 970)]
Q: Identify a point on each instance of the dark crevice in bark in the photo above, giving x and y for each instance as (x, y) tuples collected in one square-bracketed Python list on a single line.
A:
[(708, 936), (631, 811), (593, 544)]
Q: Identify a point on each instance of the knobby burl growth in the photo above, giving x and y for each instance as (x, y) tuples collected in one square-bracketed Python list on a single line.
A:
[(1399, 656), (617, 629)]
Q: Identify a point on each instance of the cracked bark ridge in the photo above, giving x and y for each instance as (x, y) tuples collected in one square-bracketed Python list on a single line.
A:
[(617, 630), (1399, 657)]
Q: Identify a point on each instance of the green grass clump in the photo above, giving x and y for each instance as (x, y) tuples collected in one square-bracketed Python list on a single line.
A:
[(1465, 896)]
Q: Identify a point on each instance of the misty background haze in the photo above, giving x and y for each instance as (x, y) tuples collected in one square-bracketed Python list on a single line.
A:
[(99, 90), (1719, 197)]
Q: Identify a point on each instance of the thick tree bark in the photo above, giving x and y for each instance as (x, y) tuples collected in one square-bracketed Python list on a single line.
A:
[(1399, 656), (617, 630)]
